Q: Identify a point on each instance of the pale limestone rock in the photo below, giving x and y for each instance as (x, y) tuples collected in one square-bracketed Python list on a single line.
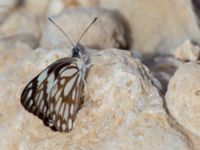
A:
[(35, 7), (125, 112), (8, 57), (183, 99), (57, 6), (6, 8), (187, 52), (19, 26), (108, 31), (157, 26)]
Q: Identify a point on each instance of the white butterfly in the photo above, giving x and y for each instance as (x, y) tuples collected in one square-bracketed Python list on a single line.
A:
[(55, 94)]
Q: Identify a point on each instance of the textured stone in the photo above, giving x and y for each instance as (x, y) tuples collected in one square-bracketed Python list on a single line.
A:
[(163, 68), (8, 57), (37, 8), (57, 6), (187, 52), (183, 97), (157, 26), (125, 112), (19, 27), (108, 31), (7, 7)]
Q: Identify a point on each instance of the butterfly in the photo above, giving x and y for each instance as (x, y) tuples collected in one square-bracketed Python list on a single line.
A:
[(55, 94)]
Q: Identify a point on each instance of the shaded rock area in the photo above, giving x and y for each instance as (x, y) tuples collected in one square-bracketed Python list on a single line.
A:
[(143, 84)]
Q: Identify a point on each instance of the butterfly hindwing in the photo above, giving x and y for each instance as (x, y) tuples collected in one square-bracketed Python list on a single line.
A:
[(46, 95), (65, 103)]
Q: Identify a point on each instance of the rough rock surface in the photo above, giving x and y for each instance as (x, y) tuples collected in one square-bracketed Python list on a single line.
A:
[(183, 97), (157, 29), (187, 52), (163, 68), (7, 7), (8, 57), (57, 6), (19, 27), (125, 112), (108, 31), (37, 8)]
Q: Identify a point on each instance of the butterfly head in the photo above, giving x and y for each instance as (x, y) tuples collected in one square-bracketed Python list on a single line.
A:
[(78, 50)]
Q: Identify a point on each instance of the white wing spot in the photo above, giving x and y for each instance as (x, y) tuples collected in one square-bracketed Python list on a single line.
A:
[(54, 116), (41, 86), (66, 113), (42, 77), (72, 109), (29, 94), (30, 103), (61, 109), (62, 70), (70, 124), (58, 123), (41, 105), (54, 90), (69, 86), (73, 94), (64, 126), (45, 109), (56, 100), (51, 107), (62, 82), (50, 84), (39, 98), (68, 72), (58, 94), (30, 85), (58, 105)]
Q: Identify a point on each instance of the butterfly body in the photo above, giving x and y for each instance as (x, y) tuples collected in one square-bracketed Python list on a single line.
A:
[(55, 94)]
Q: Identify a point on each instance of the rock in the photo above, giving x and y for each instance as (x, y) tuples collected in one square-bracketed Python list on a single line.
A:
[(187, 52), (8, 57), (57, 6), (7, 7), (36, 8), (196, 6), (163, 68), (157, 29), (125, 112), (108, 31), (183, 97), (19, 27)]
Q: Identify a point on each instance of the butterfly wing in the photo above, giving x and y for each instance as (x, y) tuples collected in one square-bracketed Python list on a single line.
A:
[(58, 85), (65, 99)]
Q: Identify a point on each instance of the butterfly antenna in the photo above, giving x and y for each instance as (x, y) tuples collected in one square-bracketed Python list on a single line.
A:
[(51, 20), (87, 29)]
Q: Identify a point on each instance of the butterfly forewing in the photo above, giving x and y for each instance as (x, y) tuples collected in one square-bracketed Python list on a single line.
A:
[(54, 95)]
